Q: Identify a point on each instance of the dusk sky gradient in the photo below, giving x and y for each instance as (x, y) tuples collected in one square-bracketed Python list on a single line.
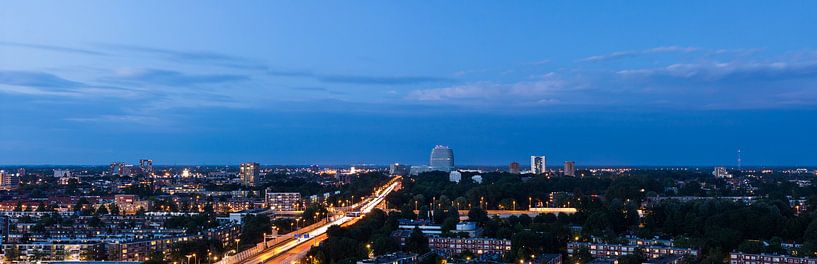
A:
[(337, 82)]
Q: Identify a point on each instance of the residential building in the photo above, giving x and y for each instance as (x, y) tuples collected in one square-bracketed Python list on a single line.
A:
[(130, 204), (8, 181), (248, 173), (721, 172), (62, 173), (514, 168), (570, 169), (399, 169), (448, 246), (604, 250), (426, 226), (147, 167), (746, 258), (537, 164), (455, 176), (283, 201)]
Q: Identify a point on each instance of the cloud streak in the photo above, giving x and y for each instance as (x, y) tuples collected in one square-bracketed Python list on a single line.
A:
[(174, 78), (53, 48), (636, 53), (36, 79), (741, 83), (190, 57)]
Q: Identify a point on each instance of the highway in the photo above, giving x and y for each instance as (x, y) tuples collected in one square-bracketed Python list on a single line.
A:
[(292, 250)]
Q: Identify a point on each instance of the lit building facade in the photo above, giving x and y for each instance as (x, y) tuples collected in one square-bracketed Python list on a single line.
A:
[(514, 168), (284, 201), (603, 250), (249, 172), (570, 169), (448, 246), (442, 158), (8, 181), (537, 164), (147, 167), (745, 258)]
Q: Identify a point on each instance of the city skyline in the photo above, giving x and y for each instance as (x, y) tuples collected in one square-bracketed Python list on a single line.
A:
[(643, 84)]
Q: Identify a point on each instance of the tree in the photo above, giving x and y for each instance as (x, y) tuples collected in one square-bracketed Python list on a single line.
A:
[(382, 244), (635, 258), (157, 258), (417, 242), (41, 207), (114, 209), (102, 210), (477, 215), (254, 228)]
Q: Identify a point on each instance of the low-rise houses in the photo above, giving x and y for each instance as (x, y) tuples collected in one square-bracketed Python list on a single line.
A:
[(605, 250), (448, 246), (745, 258)]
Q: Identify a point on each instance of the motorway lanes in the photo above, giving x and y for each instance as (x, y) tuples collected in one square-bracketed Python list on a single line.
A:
[(293, 247)]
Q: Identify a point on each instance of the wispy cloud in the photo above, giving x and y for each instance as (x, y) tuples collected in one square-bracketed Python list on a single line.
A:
[(53, 48), (36, 79), (190, 57), (382, 80), (698, 83), (34, 83), (137, 119), (358, 79), (542, 90), (173, 78), (776, 70), (635, 53)]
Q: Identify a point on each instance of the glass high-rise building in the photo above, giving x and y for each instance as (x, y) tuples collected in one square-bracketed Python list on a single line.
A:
[(442, 158)]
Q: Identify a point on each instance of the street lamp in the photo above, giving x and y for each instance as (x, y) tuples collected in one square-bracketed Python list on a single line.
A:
[(188, 258), (236, 245)]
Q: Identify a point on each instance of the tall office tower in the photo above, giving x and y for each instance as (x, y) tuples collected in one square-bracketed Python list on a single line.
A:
[(442, 158), (248, 173), (147, 166), (514, 168), (537, 164), (21, 172), (570, 169)]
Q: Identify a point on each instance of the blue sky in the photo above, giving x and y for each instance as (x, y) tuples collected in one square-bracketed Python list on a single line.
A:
[(288, 82)]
